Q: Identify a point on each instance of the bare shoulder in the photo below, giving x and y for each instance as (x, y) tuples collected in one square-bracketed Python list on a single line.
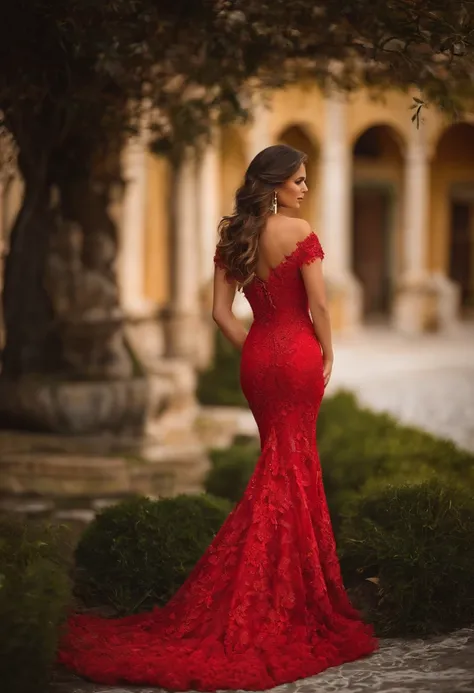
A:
[(282, 236), (302, 229), (295, 231)]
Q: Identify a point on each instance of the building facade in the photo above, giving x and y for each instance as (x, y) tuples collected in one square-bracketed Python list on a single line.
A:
[(393, 206)]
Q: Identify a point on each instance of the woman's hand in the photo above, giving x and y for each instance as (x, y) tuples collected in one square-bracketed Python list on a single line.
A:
[(327, 368)]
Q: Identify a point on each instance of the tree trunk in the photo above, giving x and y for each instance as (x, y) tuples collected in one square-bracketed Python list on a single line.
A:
[(67, 365), (81, 283), (31, 344)]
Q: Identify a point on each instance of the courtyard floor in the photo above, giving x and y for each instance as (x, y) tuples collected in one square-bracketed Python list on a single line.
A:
[(426, 381)]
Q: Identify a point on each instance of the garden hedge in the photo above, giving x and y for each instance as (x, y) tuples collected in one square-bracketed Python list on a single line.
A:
[(417, 541), (361, 449), (35, 594), (137, 553)]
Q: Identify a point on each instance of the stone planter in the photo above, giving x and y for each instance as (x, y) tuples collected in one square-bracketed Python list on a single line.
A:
[(74, 408)]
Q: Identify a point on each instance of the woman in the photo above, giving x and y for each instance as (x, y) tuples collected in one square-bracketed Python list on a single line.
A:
[(265, 604)]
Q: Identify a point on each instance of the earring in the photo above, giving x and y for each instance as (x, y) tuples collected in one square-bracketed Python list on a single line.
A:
[(275, 203)]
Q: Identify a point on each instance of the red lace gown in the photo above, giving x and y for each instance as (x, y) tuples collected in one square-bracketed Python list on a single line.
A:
[(265, 604)]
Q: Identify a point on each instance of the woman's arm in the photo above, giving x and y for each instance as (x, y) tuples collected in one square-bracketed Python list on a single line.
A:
[(314, 282), (224, 293)]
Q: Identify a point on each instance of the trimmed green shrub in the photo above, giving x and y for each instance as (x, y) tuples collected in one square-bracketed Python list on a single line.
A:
[(35, 594), (231, 470), (361, 449), (417, 540), (136, 554), (219, 385)]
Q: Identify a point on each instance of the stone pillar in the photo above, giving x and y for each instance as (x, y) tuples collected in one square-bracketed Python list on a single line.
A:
[(143, 329), (132, 246), (422, 303), (184, 323), (336, 194), (208, 206), (258, 136), (208, 202), (415, 213)]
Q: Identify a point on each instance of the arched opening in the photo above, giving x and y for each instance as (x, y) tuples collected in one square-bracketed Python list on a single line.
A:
[(378, 175), (453, 210), (233, 165), (295, 136)]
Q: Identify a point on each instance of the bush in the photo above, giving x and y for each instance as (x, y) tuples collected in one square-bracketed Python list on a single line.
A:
[(361, 450), (34, 598), (220, 384), (231, 470), (138, 553), (417, 540)]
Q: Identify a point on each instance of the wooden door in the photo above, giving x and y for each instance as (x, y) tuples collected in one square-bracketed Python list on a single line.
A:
[(371, 207), (461, 256)]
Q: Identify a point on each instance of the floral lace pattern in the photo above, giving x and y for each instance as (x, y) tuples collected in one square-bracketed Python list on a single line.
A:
[(265, 604)]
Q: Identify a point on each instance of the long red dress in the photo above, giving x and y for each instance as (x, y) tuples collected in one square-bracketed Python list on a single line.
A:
[(265, 604)]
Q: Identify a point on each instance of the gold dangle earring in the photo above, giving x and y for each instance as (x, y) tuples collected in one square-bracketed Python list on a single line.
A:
[(275, 203)]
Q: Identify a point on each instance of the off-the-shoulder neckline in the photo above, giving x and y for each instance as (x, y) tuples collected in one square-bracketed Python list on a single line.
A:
[(286, 258)]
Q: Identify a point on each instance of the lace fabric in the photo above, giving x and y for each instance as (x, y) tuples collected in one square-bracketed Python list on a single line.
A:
[(265, 604)]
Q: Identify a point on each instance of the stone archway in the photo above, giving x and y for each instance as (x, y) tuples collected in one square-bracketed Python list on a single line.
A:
[(295, 136), (452, 192), (377, 181)]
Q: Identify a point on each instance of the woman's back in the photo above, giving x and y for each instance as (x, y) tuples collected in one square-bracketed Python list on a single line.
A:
[(281, 357), (278, 239), (277, 293)]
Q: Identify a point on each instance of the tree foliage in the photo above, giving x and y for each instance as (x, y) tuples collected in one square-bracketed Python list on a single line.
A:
[(189, 60)]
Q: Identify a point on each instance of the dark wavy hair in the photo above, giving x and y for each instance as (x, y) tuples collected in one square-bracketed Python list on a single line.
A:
[(239, 233)]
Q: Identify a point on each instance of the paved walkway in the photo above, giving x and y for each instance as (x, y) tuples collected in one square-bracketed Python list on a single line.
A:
[(438, 665), (426, 381)]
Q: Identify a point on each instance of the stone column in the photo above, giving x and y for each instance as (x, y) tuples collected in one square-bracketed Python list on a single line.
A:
[(184, 325), (415, 213), (336, 196), (144, 330), (208, 203), (258, 136), (423, 303), (208, 206), (132, 246)]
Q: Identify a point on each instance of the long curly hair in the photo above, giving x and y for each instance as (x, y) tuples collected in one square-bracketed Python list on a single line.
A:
[(239, 234)]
